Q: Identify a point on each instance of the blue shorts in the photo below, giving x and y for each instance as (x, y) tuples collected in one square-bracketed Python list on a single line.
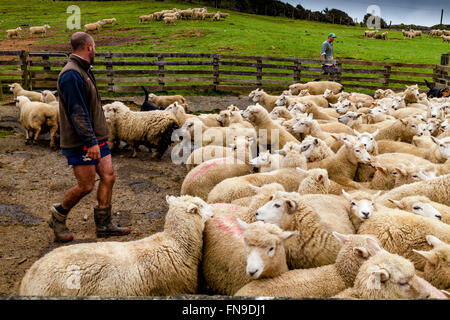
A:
[(78, 156)]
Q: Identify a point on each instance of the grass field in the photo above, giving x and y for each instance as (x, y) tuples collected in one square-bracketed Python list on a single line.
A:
[(239, 34)]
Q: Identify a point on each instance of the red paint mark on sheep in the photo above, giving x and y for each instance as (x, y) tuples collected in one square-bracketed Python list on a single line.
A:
[(226, 206), (203, 169), (231, 226)]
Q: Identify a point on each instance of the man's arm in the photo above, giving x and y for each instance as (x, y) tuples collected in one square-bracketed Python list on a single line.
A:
[(323, 52), (73, 87)]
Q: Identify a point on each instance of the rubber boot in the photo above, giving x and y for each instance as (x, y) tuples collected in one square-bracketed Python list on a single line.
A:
[(57, 222), (103, 225)]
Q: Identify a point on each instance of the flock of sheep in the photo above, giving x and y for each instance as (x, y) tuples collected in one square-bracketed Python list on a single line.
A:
[(169, 16), (316, 192), (39, 30), (411, 34)]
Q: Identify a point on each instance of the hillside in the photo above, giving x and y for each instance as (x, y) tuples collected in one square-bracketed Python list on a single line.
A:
[(239, 34)]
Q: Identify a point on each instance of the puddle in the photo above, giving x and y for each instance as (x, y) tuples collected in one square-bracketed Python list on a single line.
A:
[(142, 185), (155, 214), (12, 213)]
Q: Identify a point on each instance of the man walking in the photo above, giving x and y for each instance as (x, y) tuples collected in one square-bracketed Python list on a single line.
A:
[(326, 54), (84, 141)]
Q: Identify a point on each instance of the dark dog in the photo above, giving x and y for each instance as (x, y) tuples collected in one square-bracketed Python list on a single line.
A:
[(436, 92), (147, 105)]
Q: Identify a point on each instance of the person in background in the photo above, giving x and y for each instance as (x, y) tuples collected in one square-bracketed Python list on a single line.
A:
[(84, 141), (326, 54)]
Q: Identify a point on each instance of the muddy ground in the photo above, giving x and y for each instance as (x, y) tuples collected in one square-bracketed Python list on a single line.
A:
[(33, 177)]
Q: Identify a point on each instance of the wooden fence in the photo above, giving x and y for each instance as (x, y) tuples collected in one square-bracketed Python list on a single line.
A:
[(126, 72)]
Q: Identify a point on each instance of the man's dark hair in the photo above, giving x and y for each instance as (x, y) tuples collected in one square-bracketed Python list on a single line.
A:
[(80, 39)]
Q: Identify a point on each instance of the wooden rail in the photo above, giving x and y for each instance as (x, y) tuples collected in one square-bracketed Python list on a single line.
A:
[(126, 72)]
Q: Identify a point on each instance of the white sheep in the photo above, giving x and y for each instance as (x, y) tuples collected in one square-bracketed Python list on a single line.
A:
[(92, 27), (36, 115), (17, 90), (13, 32), (39, 30), (163, 264)]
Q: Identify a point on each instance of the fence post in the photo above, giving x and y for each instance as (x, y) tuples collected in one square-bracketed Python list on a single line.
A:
[(387, 76), (1, 91), (161, 83), (258, 72), (109, 73), (297, 70), (216, 70), (338, 77), (24, 68), (445, 59)]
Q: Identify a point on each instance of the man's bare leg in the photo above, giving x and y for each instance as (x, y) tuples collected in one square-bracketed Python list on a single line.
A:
[(107, 178), (85, 175)]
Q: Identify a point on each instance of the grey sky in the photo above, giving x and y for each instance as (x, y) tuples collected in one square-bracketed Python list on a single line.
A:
[(420, 12)]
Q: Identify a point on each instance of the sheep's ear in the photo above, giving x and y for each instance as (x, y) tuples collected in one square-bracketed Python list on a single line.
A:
[(346, 195), (335, 137), (404, 122), (288, 234), (301, 170), (435, 140), (320, 177), (430, 256), (291, 205), (254, 188), (377, 277), (170, 199), (397, 203), (342, 238), (372, 246), (361, 252), (375, 133), (376, 195), (381, 169), (358, 115), (356, 132), (316, 141), (446, 293), (310, 116), (192, 208), (242, 223), (433, 241)]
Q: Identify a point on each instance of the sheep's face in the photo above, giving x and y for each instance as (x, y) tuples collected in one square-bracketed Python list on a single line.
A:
[(303, 125), (349, 118), (253, 112), (192, 205), (343, 107), (379, 93), (359, 151), (397, 103), (367, 140), (308, 146), (443, 146), (257, 96), (13, 87), (304, 93), (405, 175), (252, 94), (435, 112), (424, 209), (388, 276), (281, 101), (113, 109), (223, 117), (275, 114), (273, 211), (20, 100), (445, 125), (264, 159)]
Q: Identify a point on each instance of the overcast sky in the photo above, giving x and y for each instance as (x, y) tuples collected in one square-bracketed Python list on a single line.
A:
[(420, 12)]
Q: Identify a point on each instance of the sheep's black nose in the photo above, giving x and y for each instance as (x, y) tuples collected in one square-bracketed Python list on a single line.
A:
[(366, 214), (251, 273), (439, 217)]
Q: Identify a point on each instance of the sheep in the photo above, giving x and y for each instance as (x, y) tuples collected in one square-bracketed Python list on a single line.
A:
[(35, 116), (440, 151), (355, 121), (422, 206), (308, 126), (152, 128), (276, 136), (232, 118), (165, 101), (224, 15), (179, 113), (266, 162), (316, 182), (398, 231), (316, 87), (225, 254), (186, 13), (388, 276), (370, 33), (318, 113), (203, 178), (145, 18), (280, 112), (342, 166), (390, 176), (240, 187), (169, 20), (437, 268), (328, 280), (315, 246), (445, 38), (39, 30), (92, 27), (216, 17), (163, 264), (315, 149), (109, 21), (401, 130), (206, 153), (13, 32), (437, 190), (411, 94), (17, 90), (286, 100), (260, 97)]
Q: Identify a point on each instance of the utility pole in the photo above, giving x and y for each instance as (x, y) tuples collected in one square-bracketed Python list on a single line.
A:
[(216, 2), (442, 14)]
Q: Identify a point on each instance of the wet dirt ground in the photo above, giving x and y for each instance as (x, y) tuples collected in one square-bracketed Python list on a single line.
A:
[(33, 177)]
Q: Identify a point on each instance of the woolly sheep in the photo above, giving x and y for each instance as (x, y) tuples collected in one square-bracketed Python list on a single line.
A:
[(316, 182), (260, 97), (316, 87), (109, 21), (179, 113), (422, 206), (327, 280), (163, 264), (315, 246), (224, 254), (152, 128), (92, 27), (437, 268), (260, 119), (206, 153), (146, 18), (388, 276), (34, 116), (17, 90), (319, 113), (165, 101), (13, 32), (39, 30), (169, 20), (315, 149)]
